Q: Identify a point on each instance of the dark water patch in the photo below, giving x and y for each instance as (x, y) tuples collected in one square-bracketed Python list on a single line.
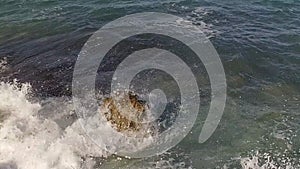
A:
[(47, 63)]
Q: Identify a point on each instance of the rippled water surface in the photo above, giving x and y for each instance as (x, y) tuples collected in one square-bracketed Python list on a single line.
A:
[(259, 45)]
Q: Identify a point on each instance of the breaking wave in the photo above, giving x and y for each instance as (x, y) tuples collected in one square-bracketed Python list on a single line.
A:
[(29, 139)]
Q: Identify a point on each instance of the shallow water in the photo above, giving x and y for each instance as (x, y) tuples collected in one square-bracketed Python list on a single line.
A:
[(259, 45)]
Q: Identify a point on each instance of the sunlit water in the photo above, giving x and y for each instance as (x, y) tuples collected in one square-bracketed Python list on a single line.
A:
[(258, 42)]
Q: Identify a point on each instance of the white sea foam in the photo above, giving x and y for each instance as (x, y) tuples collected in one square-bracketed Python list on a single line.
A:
[(267, 161), (30, 142), (46, 135), (197, 18)]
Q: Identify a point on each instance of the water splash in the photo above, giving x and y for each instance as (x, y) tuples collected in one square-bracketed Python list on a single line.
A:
[(268, 161), (28, 141), (47, 134)]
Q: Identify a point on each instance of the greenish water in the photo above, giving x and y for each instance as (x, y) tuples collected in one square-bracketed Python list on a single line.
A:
[(258, 42)]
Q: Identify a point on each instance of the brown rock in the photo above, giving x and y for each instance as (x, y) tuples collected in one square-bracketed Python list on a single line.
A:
[(125, 112)]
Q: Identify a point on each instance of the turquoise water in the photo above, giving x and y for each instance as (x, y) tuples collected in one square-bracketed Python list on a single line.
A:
[(258, 42)]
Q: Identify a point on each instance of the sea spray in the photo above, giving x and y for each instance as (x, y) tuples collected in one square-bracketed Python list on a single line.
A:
[(47, 134), (28, 141), (269, 161)]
